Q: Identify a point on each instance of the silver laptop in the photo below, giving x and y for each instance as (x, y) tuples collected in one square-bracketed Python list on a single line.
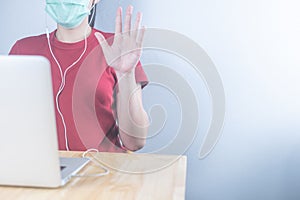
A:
[(28, 139)]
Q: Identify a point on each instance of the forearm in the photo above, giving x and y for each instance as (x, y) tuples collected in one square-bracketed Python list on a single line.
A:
[(132, 118)]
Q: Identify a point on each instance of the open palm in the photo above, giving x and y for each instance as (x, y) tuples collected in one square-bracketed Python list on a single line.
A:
[(126, 49)]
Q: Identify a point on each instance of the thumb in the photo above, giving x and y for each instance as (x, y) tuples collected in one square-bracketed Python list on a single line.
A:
[(102, 41)]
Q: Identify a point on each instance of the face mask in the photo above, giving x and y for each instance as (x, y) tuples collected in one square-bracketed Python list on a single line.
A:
[(68, 13)]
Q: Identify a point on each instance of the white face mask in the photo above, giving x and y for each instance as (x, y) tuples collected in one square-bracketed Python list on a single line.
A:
[(68, 13)]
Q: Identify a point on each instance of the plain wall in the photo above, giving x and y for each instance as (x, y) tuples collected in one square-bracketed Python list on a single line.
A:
[(254, 45)]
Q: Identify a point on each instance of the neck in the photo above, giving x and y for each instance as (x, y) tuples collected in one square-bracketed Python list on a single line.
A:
[(73, 35)]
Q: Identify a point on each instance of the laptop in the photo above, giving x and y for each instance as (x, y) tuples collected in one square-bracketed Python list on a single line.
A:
[(28, 136)]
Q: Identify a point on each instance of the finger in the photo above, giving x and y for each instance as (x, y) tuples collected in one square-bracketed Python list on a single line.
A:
[(118, 26), (141, 35), (127, 25), (137, 24), (102, 41)]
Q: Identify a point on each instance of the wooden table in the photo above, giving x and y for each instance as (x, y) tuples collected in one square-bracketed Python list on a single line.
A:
[(132, 176)]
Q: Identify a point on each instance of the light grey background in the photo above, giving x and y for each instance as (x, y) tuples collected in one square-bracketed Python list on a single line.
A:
[(255, 46)]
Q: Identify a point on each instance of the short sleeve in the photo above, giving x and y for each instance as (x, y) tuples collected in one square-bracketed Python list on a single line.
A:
[(140, 75)]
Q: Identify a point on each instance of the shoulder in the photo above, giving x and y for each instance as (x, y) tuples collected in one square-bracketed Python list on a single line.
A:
[(107, 35), (30, 45), (33, 39)]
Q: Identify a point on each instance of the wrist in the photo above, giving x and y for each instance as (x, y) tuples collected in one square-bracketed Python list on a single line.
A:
[(126, 82), (125, 75)]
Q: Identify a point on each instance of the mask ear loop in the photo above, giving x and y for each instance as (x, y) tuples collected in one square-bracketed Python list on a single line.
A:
[(93, 14)]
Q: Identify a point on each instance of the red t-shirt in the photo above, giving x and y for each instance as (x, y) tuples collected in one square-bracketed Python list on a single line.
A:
[(87, 99)]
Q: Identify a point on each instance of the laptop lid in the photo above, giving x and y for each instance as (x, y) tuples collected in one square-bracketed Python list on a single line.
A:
[(28, 140)]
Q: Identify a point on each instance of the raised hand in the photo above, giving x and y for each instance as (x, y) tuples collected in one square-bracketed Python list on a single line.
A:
[(125, 51)]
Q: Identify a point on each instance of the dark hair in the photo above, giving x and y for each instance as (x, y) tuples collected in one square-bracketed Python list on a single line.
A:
[(93, 12)]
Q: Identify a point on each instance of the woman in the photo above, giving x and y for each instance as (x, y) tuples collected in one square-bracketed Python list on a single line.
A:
[(117, 99)]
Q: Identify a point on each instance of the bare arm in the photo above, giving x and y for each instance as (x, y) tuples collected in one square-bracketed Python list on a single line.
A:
[(132, 118), (123, 55)]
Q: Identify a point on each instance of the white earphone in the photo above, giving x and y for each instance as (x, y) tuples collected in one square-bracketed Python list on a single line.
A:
[(63, 75)]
